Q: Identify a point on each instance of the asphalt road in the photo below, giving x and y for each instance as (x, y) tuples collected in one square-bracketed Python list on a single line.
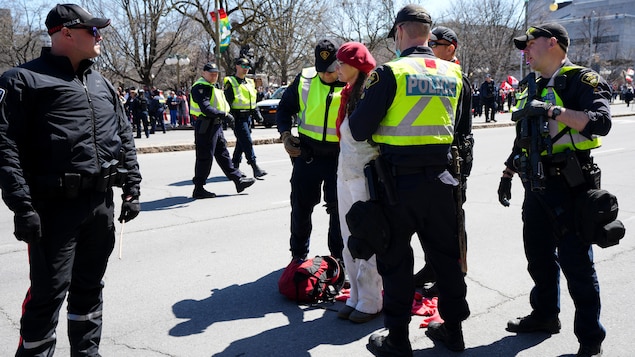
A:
[(199, 278)]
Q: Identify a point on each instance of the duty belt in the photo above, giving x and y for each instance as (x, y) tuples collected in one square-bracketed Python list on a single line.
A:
[(406, 170)]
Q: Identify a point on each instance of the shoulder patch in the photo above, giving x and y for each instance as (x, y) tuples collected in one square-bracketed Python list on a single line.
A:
[(2, 93), (591, 78), (373, 78)]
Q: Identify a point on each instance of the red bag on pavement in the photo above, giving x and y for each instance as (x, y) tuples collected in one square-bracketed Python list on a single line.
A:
[(312, 280)]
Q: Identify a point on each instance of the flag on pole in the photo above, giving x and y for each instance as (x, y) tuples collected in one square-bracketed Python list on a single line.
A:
[(225, 28)]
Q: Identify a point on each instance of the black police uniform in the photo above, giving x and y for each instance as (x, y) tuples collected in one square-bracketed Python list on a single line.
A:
[(314, 170), (425, 206), (464, 140), (488, 100), (242, 130), (138, 107), (209, 140), (547, 249), (58, 129)]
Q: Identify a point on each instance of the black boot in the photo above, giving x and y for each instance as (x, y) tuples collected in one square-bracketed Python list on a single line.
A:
[(243, 182), (257, 171), (200, 192)]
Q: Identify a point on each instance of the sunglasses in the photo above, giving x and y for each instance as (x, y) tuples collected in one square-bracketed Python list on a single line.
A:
[(245, 66), (536, 31), (433, 44), (94, 31)]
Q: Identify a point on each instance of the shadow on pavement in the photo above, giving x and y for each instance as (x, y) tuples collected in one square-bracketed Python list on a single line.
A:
[(255, 300), (165, 203), (189, 182), (507, 346)]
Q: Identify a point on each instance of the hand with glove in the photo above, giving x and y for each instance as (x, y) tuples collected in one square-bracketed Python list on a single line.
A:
[(291, 144), (259, 117), (130, 208), (229, 119), (505, 190), (27, 226), (538, 108)]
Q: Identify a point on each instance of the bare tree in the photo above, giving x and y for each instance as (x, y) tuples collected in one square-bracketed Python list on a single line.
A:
[(486, 29), (22, 33), (288, 34), (143, 34)]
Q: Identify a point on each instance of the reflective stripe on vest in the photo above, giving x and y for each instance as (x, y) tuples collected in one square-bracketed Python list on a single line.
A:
[(319, 104), (244, 93), (425, 103), (217, 100)]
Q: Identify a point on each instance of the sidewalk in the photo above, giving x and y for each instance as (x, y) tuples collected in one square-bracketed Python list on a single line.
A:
[(183, 139)]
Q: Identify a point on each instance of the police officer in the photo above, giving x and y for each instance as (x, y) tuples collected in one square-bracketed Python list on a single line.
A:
[(137, 105), (314, 96), (408, 108), (241, 94), (65, 141), (576, 102), (444, 43), (208, 104)]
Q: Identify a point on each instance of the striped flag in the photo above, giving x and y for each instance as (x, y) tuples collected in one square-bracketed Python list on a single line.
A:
[(225, 28)]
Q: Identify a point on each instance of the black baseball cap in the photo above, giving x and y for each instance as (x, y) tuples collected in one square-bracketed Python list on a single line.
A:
[(547, 30), (210, 67), (69, 15), (444, 33), (326, 56), (411, 12)]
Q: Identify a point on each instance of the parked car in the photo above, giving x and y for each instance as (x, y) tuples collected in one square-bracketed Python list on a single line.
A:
[(269, 107)]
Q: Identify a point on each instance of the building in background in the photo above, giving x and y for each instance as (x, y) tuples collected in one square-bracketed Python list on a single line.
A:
[(602, 34)]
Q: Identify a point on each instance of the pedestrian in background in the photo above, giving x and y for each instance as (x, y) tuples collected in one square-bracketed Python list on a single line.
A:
[(576, 102), (241, 94), (365, 301), (488, 98), (182, 109), (65, 142), (314, 96), (209, 105), (422, 190), (173, 106)]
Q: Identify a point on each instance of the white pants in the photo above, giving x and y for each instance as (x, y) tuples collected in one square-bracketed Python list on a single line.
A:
[(366, 283)]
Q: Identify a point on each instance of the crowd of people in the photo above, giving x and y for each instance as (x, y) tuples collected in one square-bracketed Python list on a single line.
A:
[(392, 141)]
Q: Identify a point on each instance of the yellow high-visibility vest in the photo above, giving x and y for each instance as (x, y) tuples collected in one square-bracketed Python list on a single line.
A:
[(425, 103), (319, 104), (245, 94), (573, 140), (217, 100)]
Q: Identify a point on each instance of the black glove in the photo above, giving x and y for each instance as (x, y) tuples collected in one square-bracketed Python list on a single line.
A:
[(230, 121), (505, 191), (259, 117), (538, 108), (27, 226), (130, 208)]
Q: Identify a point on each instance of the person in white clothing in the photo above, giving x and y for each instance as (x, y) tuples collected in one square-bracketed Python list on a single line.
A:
[(365, 301)]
